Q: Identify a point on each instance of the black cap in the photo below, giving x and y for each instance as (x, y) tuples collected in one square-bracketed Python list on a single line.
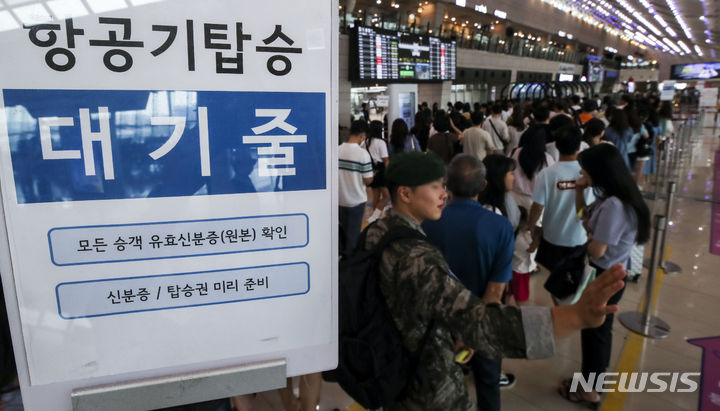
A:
[(415, 168)]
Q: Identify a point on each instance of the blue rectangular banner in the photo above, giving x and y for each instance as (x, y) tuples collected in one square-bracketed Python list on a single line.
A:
[(74, 145)]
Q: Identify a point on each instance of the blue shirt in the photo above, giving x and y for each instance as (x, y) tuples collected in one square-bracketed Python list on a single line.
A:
[(620, 141), (615, 224), (476, 243)]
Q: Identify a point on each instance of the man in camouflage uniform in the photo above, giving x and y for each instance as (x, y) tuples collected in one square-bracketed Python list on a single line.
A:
[(421, 292)]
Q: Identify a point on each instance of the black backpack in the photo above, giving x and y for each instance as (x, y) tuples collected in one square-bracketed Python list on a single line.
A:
[(374, 367)]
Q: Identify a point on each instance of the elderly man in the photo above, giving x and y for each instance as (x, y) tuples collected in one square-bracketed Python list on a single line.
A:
[(478, 246)]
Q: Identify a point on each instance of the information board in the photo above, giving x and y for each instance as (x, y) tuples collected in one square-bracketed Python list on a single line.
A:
[(395, 56), (708, 97), (667, 90), (595, 70), (695, 71), (168, 175)]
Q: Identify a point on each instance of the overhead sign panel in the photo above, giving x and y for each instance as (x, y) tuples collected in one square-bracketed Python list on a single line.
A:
[(695, 71), (382, 55)]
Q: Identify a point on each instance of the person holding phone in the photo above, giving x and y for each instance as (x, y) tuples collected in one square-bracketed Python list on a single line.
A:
[(615, 221)]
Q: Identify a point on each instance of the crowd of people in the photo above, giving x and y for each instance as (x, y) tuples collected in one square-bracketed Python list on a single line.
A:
[(502, 191)]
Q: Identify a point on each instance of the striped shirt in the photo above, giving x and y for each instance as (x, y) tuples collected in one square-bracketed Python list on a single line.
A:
[(355, 164)]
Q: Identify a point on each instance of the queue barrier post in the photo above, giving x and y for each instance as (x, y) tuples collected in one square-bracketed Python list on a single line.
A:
[(668, 267), (643, 322)]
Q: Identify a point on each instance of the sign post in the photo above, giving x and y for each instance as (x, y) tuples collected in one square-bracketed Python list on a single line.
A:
[(168, 172)]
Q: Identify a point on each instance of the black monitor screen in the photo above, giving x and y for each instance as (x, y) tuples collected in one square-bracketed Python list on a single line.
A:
[(382, 55)]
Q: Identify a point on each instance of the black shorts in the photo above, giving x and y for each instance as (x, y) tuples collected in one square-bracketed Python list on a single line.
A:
[(550, 255), (379, 176)]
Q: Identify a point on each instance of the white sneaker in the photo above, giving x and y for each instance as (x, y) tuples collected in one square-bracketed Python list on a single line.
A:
[(506, 380), (374, 216)]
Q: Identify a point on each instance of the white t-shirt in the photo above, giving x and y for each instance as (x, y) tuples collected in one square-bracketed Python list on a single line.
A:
[(355, 164), (522, 260), (501, 128), (378, 150), (555, 190), (523, 185), (551, 149), (506, 114)]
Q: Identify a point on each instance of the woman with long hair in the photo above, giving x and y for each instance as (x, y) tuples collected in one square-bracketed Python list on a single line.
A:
[(530, 159), (496, 197), (516, 126), (619, 132), (594, 130), (400, 138), (665, 119), (378, 149), (421, 130), (618, 219), (500, 179), (653, 127), (637, 133), (643, 147)]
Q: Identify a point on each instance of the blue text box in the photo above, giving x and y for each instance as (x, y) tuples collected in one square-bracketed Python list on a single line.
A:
[(73, 145)]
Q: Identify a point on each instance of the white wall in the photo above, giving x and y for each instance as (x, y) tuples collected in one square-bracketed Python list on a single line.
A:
[(434, 92), (469, 58), (639, 75)]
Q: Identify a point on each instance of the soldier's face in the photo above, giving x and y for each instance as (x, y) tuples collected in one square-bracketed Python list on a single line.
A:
[(428, 200)]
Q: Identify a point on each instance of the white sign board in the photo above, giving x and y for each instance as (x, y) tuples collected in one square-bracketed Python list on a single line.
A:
[(168, 178), (667, 91), (565, 68), (708, 97), (382, 101)]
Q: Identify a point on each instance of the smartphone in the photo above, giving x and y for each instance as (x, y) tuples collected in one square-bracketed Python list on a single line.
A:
[(462, 356)]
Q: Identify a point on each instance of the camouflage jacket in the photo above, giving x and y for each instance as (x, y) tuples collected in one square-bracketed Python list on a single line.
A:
[(420, 290)]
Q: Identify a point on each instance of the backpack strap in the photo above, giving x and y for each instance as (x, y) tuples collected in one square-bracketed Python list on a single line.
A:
[(496, 132), (397, 233)]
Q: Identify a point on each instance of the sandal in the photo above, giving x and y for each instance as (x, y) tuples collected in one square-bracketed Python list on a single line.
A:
[(564, 391)]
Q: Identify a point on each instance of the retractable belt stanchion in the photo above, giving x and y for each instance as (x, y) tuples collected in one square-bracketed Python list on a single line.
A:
[(643, 322), (673, 163), (668, 267), (661, 159)]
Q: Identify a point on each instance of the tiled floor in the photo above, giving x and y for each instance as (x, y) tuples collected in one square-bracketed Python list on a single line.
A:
[(688, 302)]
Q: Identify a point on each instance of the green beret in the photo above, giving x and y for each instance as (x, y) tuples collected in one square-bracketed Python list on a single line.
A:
[(415, 168)]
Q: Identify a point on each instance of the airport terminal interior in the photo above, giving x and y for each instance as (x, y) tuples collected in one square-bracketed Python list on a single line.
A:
[(471, 83)]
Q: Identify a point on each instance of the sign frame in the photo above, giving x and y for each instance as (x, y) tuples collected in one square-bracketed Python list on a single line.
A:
[(57, 395)]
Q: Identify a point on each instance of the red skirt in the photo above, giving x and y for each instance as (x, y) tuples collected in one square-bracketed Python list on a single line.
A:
[(519, 286)]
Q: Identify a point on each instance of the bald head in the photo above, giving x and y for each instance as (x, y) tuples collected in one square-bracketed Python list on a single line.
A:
[(465, 176)]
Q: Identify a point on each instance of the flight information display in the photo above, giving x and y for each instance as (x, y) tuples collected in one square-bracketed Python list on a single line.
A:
[(696, 71), (383, 55)]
